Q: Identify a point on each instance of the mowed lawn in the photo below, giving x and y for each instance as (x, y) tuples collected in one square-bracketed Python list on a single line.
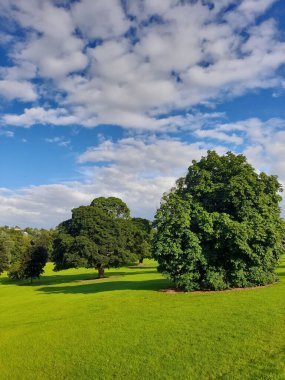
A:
[(66, 326)]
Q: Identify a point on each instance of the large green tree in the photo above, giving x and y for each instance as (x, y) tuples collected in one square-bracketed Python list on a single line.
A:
[(220, 227), (33, 261), (98, 236)]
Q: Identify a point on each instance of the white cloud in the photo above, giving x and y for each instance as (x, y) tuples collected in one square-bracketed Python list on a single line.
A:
[(100, 18), (58, 140), (79, 68), (51, 45), (186, 54), (39, 115), (10, 89), (247, 11), (39, 205), (144, 157), (6, 133), (218, 135), (23, 71), (137, 171), (5, 38), (140, 169)]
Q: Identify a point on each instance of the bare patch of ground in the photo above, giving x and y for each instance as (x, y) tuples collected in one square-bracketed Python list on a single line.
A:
[(172, 290)]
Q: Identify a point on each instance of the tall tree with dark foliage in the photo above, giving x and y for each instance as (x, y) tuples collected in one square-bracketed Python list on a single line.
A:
[(220, 227), (98, 236)]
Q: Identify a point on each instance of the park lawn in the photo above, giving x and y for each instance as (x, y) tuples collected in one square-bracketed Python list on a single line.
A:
[(122, 327)]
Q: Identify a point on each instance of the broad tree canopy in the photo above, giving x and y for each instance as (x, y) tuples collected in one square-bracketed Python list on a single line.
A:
[(97, 236), (220, 227), (112, 206)]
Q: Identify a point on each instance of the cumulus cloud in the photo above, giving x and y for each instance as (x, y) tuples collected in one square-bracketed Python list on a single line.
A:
[(144, 157), (137, 171), (44, 205), (127, 63), (39, 115), (51, 45), (140, 169), (11, 89), (100, 19), (143, 65)]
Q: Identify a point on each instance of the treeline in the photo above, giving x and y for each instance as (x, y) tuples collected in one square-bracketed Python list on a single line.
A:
[(98, 236), (219, 227)]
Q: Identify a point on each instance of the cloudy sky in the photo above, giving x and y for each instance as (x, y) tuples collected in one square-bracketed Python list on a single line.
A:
[(117, 97)]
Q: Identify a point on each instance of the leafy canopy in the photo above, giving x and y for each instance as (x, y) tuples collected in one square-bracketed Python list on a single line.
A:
[(5, 251), (142, 235), (220, 227), (97, 236), (33, 261)]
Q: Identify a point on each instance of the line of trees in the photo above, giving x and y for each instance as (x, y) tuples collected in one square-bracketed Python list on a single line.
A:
[(219, 227)]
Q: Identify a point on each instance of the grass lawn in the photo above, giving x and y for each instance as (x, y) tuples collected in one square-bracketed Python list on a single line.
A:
[(62, 327)]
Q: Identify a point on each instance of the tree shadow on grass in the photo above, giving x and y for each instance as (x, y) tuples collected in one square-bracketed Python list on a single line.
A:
[(67, 278), (107, 286)]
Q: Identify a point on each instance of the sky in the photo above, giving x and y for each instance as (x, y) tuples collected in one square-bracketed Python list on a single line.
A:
[(117, 97)]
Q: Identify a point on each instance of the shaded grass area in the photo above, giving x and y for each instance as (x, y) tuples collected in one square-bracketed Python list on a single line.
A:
[(61, 327)]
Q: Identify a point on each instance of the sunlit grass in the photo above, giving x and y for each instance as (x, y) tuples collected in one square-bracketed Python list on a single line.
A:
[(122, 327)]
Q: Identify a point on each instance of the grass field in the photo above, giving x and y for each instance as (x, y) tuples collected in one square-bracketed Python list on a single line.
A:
[(63, 327)]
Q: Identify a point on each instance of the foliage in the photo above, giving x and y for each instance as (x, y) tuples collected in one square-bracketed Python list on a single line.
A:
[(220, 227), (97, 236), (20, 241), (5, 251), (31, 257), (34, 261), (112, 206), (16, 270), (44, 238), (142, 234)]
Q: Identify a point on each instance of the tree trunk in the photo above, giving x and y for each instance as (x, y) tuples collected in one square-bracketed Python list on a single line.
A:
[(140, 260), (101, 272)]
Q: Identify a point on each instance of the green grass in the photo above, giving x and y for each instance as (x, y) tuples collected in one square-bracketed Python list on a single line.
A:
[(123, 328)]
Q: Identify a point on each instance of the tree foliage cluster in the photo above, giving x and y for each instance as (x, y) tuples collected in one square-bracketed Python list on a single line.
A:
[(24, 253), (220, 227), (99, 236)]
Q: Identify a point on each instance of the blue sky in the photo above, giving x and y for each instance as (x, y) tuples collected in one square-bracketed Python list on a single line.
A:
[(117, 97)]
